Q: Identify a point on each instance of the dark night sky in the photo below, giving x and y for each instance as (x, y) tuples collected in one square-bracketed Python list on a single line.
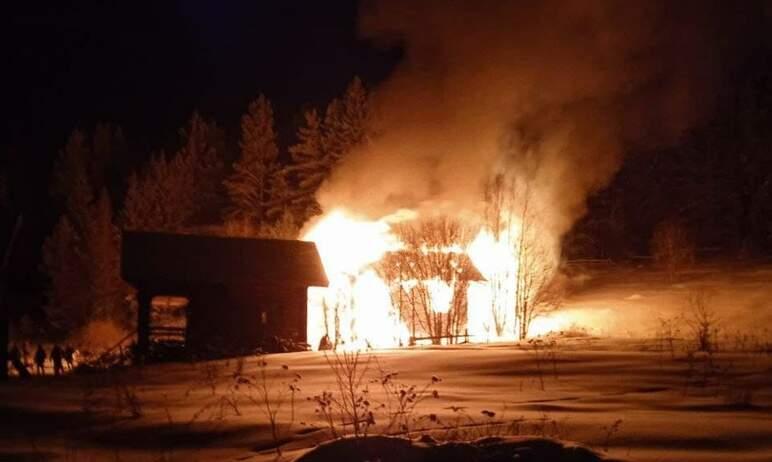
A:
[(147, 66)]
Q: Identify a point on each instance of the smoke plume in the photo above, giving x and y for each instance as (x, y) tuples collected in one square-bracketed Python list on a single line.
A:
[(549, 92)]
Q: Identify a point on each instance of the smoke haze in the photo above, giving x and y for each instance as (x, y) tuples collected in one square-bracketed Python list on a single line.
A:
[(549, 92)]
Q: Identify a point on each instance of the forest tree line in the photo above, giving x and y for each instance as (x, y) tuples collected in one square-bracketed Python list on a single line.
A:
[(714, 188), (261, 193)]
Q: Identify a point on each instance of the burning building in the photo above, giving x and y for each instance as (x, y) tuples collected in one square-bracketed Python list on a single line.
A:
[(402, 280), (241, 293), (429, 291)]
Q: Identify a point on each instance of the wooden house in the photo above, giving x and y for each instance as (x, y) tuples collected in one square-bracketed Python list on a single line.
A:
[(241, 293)]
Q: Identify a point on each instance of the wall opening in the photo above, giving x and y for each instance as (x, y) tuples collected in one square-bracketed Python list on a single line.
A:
[(168, 318)]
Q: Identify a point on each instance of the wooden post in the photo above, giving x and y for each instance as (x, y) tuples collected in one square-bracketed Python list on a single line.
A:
[(144, 299)]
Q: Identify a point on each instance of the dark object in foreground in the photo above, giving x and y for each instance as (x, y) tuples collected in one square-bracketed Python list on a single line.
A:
[(388, 449)]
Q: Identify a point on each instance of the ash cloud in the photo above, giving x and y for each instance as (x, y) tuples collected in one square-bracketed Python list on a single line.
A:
[(550, 92)]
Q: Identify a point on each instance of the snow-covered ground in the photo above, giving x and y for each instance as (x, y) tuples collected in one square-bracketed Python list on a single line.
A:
[(621, 395), (625, 301)]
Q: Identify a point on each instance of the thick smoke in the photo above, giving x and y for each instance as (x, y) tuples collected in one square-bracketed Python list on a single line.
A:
[(549, 92)]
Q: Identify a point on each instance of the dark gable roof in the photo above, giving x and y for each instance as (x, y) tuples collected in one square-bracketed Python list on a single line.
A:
[(186, 258)]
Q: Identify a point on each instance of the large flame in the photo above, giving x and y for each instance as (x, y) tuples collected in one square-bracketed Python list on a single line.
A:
[(357, 310)]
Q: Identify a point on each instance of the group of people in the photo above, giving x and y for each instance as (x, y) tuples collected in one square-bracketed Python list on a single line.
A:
[(59, 357)]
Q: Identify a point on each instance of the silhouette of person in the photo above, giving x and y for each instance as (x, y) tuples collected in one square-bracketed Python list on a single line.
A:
[(40, 360), (69, 356), (56, 357), (325, 343), (15, 357)]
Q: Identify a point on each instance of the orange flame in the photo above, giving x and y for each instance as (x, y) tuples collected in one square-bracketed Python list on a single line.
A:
[(356, 310)]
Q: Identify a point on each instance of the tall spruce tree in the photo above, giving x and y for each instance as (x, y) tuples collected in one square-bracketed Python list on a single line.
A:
[(345, 121), (67, 305), (251, 187), (323, 143), (81, 255), (70, 183), (101, 249), (309, 164), (168, 194), (109, 160)]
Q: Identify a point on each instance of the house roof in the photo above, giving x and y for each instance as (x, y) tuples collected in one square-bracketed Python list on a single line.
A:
[(185, 258)]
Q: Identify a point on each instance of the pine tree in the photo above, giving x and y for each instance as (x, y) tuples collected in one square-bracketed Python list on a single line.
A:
[(70, 184), (157, 198), (201, 155), (81, 257), (68, 294), (323, 143), (309, 163), (71, 162), (278, 194), (168, 194), (345, 122), (249, 186), (101, 249), (109, 160)]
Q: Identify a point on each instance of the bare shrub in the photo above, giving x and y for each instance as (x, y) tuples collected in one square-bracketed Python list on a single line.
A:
[(491, 424), (351, 405), (672, 248), (544, 352), (112, 393), (512, 217), (222, 399), (703, 322), (402, 400), (127, 400), (271, 391), (668, 332), (350, 408), (608, 433)]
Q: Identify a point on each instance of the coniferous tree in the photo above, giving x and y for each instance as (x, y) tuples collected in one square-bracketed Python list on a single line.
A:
[(70, 184), (81, 256), (154, 198), (309, 163), (278, 206), (101, 248), (168, 194), (109, 160), (323, 143), (67, 295), (250, 187), (202, 153), (345, 122)]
